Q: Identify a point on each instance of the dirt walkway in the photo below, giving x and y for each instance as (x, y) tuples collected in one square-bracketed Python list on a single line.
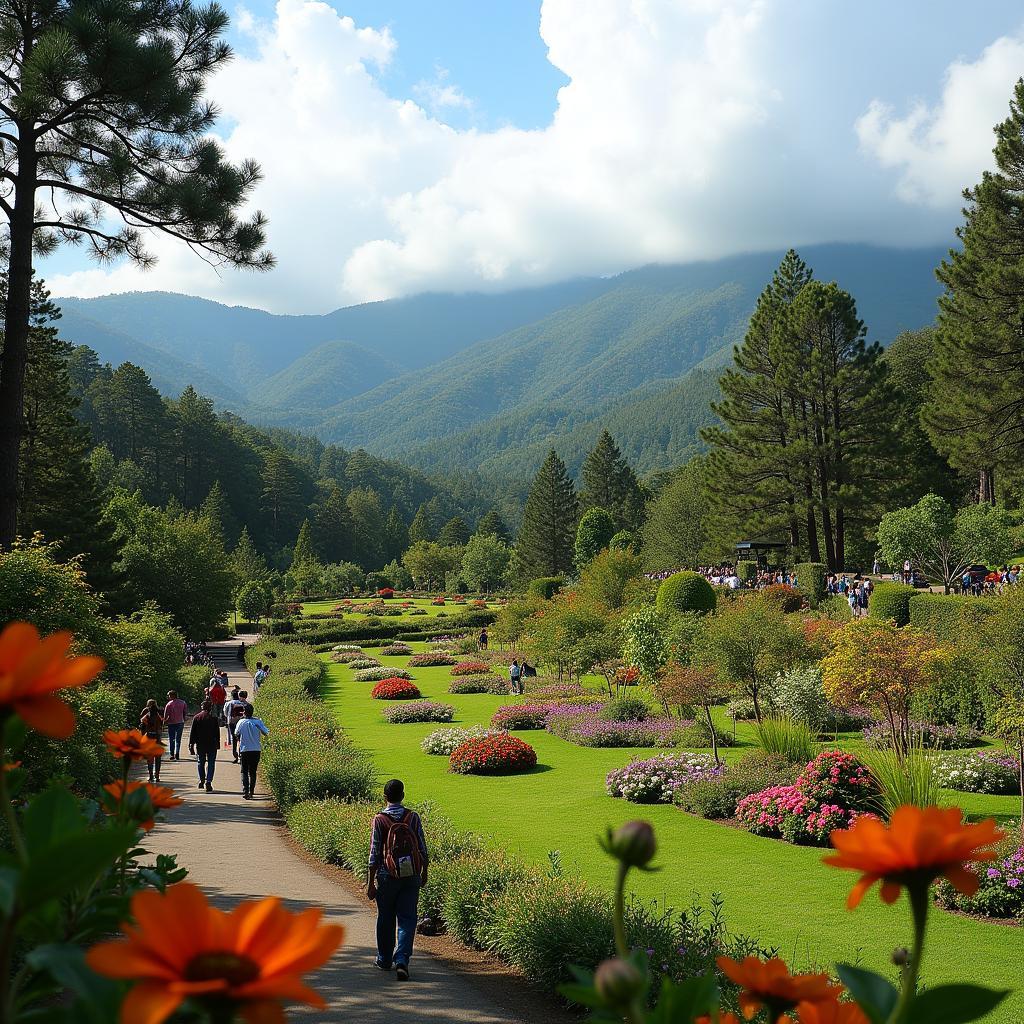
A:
[(236, 849)]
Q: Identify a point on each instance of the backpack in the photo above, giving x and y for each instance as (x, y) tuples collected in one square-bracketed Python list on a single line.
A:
[(401, 849)]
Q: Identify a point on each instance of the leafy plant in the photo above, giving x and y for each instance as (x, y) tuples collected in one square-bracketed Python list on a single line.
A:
[(787, 738)]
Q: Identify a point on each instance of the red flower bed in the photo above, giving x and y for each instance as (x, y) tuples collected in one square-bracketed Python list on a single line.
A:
[(394, 688), (439, 601), (788, 598), (493, 755), (385, 593), (470, 668)]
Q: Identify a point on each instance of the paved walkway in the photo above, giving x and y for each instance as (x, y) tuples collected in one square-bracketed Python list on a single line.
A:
[(236, 849)]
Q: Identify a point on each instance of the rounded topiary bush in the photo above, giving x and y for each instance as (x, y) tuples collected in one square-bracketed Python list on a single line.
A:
[(545, 586), (431, 659), (371, 675), (493, 755), (471, 668), (395, 689), (892, 601), (686, 592), (624, 709)]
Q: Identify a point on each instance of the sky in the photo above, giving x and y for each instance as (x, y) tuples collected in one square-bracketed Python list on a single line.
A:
[(454, 145)]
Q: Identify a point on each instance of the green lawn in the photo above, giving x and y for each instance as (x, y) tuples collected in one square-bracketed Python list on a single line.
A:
[(780, 893), (449, 610)]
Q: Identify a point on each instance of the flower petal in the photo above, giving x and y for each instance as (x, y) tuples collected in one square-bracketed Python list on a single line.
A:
[(47, 715), (149, 1003)]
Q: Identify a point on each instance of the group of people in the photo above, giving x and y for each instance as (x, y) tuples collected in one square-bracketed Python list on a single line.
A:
[(856, 590), (518, 674), (978, 584)]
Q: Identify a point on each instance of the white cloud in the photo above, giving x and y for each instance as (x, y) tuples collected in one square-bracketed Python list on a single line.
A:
[(674, 139), (939, 150)]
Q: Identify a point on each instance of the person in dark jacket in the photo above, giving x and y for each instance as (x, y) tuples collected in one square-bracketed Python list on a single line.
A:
[(204, 741)]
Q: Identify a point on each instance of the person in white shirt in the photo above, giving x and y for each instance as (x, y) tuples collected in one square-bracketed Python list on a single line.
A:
[(250, 731)]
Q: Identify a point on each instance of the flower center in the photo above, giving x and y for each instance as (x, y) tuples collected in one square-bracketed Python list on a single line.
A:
[(234, 969)]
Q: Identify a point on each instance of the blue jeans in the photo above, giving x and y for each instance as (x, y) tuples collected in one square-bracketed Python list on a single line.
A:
[(206, 760), (174, 739), (397, 902)]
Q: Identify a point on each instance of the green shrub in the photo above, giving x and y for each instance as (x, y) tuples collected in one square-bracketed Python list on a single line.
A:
[(747, 571), (192, 680), (810, 579), (333, 831), (836, 608), (786, 738), (951, 618), (624, 709), (699, 735), (753, 772), (145, 658), (758, 769), (892, 601), (545, 586), (709, 798), (294, 773), (686, 592)]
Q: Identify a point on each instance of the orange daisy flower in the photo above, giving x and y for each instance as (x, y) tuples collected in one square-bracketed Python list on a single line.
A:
[(160, 797), (182, 948), (132, 744), (33, 670), (831, 1013), (918, 846), (768, 983), (723, 1018)]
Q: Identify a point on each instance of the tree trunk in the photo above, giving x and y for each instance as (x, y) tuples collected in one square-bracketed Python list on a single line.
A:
[(15, 353), (714, 735), (986, 486), (757, 704)]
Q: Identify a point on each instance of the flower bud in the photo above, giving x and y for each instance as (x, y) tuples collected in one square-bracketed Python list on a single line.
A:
[(901, 956), (618, 982), (633, 843)]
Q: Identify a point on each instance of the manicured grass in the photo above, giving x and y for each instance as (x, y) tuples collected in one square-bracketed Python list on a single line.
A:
[(449, 609), (781, 894)]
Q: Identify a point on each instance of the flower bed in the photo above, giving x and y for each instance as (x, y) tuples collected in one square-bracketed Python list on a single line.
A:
[(396, 650), (1000, 892), (582, 725), (831, 792), (370, 675), (348, 648), (479, 684), (553, 690), (395, 688), (385, 593), (429, 659), (419, 711), (363, 662), (493, 755), (936, 737), (444, 741), (347, 657), (979, 771), (521, 716), (470, 668), (656, 779)]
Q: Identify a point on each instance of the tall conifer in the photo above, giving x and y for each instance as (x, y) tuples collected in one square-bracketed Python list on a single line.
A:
[(609, 482), (547, 537)]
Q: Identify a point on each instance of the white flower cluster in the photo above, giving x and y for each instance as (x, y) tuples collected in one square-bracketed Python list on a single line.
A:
[(374, 675), (444, 741), (977, 772)]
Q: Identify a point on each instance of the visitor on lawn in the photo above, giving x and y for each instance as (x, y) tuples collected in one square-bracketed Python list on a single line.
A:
[(515, 674), (397, 871), (203, 742), (484, 639), (151, 722), (250, 732), (175, 711)]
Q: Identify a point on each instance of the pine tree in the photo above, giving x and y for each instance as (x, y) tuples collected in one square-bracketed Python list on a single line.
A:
[(454, 533), (282, 499), (548, 533), (975, 414), (332, 527), (492, 525), (608, 482), (368, 524), (217, 511), (59, 496), (752, 468), (196, 435), (422, 527), (246, 562), (303, 550), (396, 534), (102, 113)]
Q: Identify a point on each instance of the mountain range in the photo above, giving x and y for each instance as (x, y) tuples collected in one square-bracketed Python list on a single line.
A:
[(490, 382)]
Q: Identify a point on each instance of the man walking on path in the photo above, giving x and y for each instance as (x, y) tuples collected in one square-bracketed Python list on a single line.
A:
[(398, 868), (218, 694), (234, 712), (174, 718), (203, 741), (250, 732)]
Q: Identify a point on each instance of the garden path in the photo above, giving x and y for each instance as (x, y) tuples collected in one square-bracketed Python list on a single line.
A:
[(236, 849)]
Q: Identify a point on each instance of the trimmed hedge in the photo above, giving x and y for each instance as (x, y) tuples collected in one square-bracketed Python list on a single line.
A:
[(747, 571), (305, 757), (810, 577), (545, 586), (949, 617), (892, 601), (686, 592), (337, 630)]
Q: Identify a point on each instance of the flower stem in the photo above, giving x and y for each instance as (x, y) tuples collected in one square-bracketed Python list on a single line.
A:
[(918, 896), (17, 841), (619, 916), (120, 817)]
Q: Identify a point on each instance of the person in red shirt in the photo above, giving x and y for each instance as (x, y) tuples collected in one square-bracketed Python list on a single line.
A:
[(174, 718), (218, 694)]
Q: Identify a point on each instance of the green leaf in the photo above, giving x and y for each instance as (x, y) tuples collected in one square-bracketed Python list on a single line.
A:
[(875, 995), (69, 863), (8, 888), (581, 994), (680, 1002), (66, 965), (954, 1004), (51, 816)]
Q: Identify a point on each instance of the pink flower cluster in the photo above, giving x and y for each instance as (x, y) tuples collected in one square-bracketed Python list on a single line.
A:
[(763, 813), (838, 778)]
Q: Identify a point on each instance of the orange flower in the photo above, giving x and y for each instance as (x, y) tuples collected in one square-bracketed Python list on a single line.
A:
[(160, 797), (182, 948), (918, 846), (723, 1018), (132, 744), (831, 1013), (33, 670), (769, 983)]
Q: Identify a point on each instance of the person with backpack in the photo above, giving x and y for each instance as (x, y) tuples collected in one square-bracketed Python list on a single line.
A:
[(398, 869), (515, 673), (151, 722), (234, 712)]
